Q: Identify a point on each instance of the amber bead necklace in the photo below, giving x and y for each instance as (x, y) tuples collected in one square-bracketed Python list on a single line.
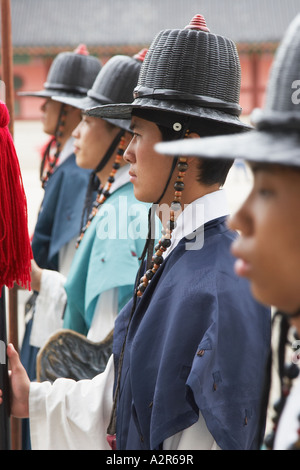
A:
[(49, 163), (103, 192), (165, 240)]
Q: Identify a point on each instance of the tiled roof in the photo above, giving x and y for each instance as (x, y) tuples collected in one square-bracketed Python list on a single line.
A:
[(46, 23)]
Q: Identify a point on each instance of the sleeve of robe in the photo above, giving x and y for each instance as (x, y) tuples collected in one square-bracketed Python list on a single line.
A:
[(69, 415), (51, 303), (287, 431), (49, 307)]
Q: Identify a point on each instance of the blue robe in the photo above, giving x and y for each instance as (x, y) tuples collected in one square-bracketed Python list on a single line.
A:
[(58, 223), (104, 262), (197, 341), (59, 219)]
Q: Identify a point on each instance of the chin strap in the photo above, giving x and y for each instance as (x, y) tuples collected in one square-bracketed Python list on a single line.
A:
[(151, 217), (292, 315), (49, 163), (94, 182), (110, 151), (149, 245), (148, 249)]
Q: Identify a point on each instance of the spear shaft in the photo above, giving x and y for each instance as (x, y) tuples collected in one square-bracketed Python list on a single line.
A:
[(5, 440), (7, 59), (7, 77)]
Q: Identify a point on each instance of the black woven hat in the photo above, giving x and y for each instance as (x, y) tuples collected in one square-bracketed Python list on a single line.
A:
[(188, 71), (70, 74), (277, 135), (114, 84)]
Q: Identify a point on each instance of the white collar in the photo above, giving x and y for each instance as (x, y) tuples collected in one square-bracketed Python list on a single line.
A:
[(67, 150), (121, 177), (196, 214)]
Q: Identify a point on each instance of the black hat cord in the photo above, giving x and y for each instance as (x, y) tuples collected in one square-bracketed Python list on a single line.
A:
[(153, 262), (48, 165), (148, 249), (103, 191)]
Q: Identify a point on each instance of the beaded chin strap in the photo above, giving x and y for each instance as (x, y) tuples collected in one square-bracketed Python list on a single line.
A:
[(165, 240), (49, 162), (103, 191), (157, 260)]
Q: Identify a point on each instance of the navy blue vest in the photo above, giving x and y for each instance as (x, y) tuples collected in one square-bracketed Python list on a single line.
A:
[(60, 216), (197, 341)]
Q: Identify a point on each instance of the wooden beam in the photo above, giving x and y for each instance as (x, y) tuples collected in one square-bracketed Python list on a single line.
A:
[(7, 76)]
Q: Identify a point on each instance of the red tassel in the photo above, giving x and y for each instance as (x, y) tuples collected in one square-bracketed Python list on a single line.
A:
[(15, 249)]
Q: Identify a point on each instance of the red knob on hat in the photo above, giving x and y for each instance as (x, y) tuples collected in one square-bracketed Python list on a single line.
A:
[(198, 22), (82, 50), (141, 55)]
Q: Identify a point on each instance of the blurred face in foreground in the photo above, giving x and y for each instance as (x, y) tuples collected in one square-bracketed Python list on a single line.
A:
[(268, 249)]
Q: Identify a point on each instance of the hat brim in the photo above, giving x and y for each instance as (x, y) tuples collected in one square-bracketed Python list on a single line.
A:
[(79, 102), (124, 111), (255, 146), (49, 94), (38, 94), (86, 103)]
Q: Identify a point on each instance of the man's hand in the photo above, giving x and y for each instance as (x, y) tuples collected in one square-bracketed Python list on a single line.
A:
[(19, 385)]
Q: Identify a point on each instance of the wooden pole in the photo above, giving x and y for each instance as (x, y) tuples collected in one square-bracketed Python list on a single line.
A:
[(7, 60), (7, 77), (5, 433), (14, 339), (255, 84)]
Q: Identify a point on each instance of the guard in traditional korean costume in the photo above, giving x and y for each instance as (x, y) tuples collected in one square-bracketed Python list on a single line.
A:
[(190, 349), (272, 151), (193, 344), (65, 184)]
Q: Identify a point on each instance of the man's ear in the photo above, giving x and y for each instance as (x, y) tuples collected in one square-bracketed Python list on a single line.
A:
[(192, 135)]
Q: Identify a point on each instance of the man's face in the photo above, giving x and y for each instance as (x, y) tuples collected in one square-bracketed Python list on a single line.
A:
[(50, 113), (149, 170), (93, 136), (268, 249)]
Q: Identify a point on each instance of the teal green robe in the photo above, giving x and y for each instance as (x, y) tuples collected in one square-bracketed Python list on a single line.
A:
[(107, 257)]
